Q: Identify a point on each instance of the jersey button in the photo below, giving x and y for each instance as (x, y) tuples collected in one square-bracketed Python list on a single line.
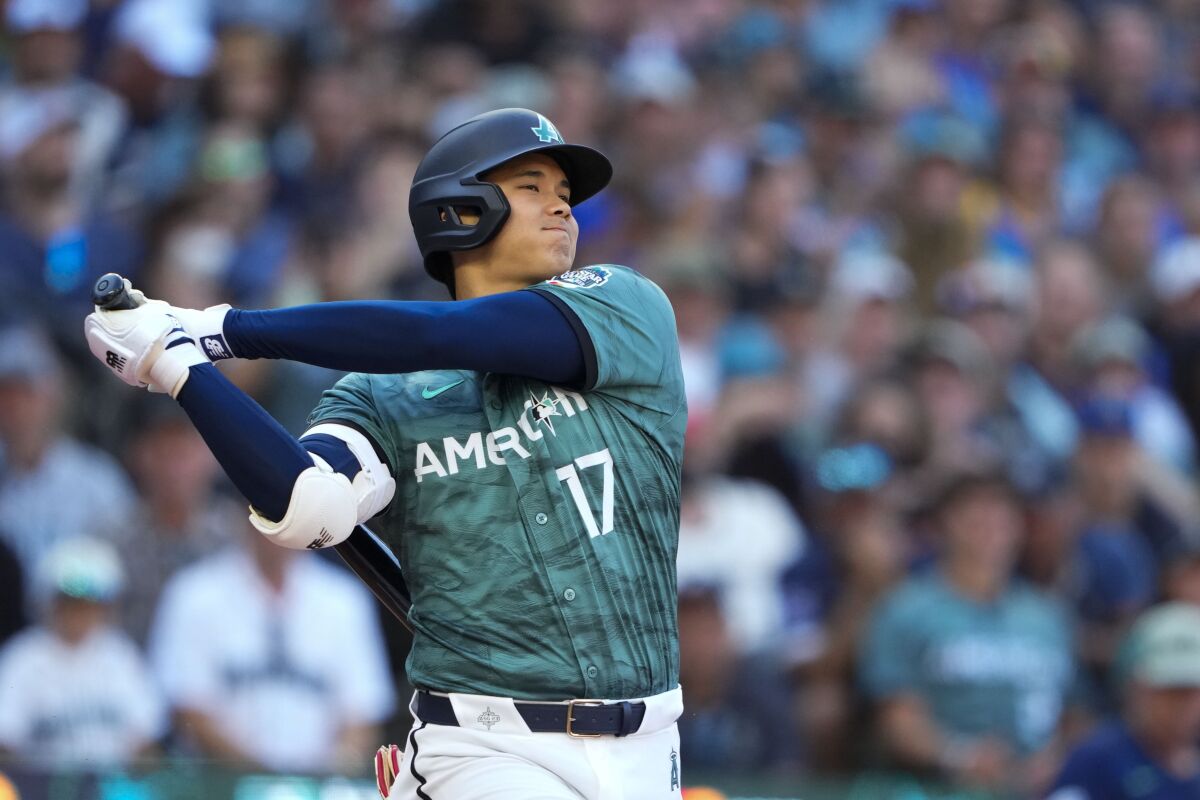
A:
[(541, 519), (495, 404), (592, 672), (569, 594)]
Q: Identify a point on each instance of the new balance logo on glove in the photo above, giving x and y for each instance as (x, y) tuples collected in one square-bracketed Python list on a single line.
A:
[(323, 538), (115, 361), (215, 348)]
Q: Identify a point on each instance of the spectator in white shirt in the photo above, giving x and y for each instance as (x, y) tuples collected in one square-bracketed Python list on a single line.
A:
[(272, 659), (75, 691)]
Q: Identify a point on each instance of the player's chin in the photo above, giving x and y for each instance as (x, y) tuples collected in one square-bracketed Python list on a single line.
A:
[(559, 259)]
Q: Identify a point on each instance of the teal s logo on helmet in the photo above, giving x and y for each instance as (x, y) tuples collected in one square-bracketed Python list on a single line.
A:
[(546, 132)]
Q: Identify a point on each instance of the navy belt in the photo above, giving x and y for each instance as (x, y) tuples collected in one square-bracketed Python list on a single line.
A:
[(578, 718)]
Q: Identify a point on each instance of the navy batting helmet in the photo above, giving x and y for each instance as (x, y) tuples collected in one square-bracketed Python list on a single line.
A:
[(449, 177)]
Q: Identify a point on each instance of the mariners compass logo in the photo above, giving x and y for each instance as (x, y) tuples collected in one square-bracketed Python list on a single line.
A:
[(546, 132), (488, 718)]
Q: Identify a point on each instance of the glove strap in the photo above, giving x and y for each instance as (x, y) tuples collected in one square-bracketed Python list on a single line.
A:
[(169, 371)]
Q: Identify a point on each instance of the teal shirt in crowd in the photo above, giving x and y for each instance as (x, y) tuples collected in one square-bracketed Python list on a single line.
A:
[(1003, 668), (538, 525)]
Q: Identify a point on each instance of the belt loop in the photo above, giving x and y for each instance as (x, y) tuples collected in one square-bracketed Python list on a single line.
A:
[(627, 725)]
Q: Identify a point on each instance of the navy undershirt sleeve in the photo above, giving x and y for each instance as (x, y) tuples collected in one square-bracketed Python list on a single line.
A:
[(260, 457), (513, 333)]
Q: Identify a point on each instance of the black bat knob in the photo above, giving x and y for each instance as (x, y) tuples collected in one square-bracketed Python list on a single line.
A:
[(109, 293)]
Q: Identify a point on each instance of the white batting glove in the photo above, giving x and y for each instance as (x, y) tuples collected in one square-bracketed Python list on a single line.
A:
[(206, 325), (145, 346)]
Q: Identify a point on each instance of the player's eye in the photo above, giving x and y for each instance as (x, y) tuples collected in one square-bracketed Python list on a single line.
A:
[(564, 198), (533, 186)]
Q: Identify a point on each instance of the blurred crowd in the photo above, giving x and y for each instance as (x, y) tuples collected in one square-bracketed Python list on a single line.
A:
[(936, 272)]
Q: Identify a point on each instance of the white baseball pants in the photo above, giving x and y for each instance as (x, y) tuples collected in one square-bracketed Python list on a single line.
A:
[(494, 755)]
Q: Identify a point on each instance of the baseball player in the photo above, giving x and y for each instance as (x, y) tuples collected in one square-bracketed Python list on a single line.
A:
[(519, 449)]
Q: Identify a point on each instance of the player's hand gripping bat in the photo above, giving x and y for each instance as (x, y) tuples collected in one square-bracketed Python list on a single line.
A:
[(370, 559)]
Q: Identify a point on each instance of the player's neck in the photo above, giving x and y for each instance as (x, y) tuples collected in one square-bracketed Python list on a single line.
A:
[(471, 283), (479, 279)]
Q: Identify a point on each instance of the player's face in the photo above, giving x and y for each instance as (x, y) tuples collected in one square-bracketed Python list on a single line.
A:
[(538, 239)]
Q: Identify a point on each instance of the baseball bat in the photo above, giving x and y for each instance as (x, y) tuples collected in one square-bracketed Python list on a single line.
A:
[(369, 558)]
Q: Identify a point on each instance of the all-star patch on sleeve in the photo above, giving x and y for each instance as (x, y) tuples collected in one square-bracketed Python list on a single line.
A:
[(626, 327)]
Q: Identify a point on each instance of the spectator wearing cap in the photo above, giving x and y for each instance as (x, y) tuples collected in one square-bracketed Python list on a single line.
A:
[(753, 425), (232, 182), (1113, 357), (858, 551), (75, 690), (1151, 752), (55, 245), (739, 714), (159, 50), (46, 60), (969, 668), (970, 418), (867, 322), (1118, 563), (1125, 534), (51, 485), (995, 298), (941, 205)]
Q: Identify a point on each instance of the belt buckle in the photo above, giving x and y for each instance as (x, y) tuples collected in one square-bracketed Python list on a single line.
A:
[(571, 718)]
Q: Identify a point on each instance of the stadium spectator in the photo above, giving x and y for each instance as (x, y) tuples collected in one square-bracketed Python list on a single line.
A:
[(272, 659), (1152, 751), (55, 245), (76, 692), (181, 516), (737, 714), (737, 536), (761, 147), (52, 486), (969, 668), (1114, 357), (1126, 532), (46, 62), (858, 552), (156, 52)]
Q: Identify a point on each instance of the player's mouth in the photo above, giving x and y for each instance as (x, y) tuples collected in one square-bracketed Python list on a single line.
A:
[(559, 228)]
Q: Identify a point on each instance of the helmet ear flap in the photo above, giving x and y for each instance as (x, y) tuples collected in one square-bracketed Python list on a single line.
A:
[(438, 216)]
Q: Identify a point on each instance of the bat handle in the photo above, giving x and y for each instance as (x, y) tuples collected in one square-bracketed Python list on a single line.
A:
[(109, 293)]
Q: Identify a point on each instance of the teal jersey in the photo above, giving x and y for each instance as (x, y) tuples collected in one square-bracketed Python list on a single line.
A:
[(537, 525), (1003, 668)]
